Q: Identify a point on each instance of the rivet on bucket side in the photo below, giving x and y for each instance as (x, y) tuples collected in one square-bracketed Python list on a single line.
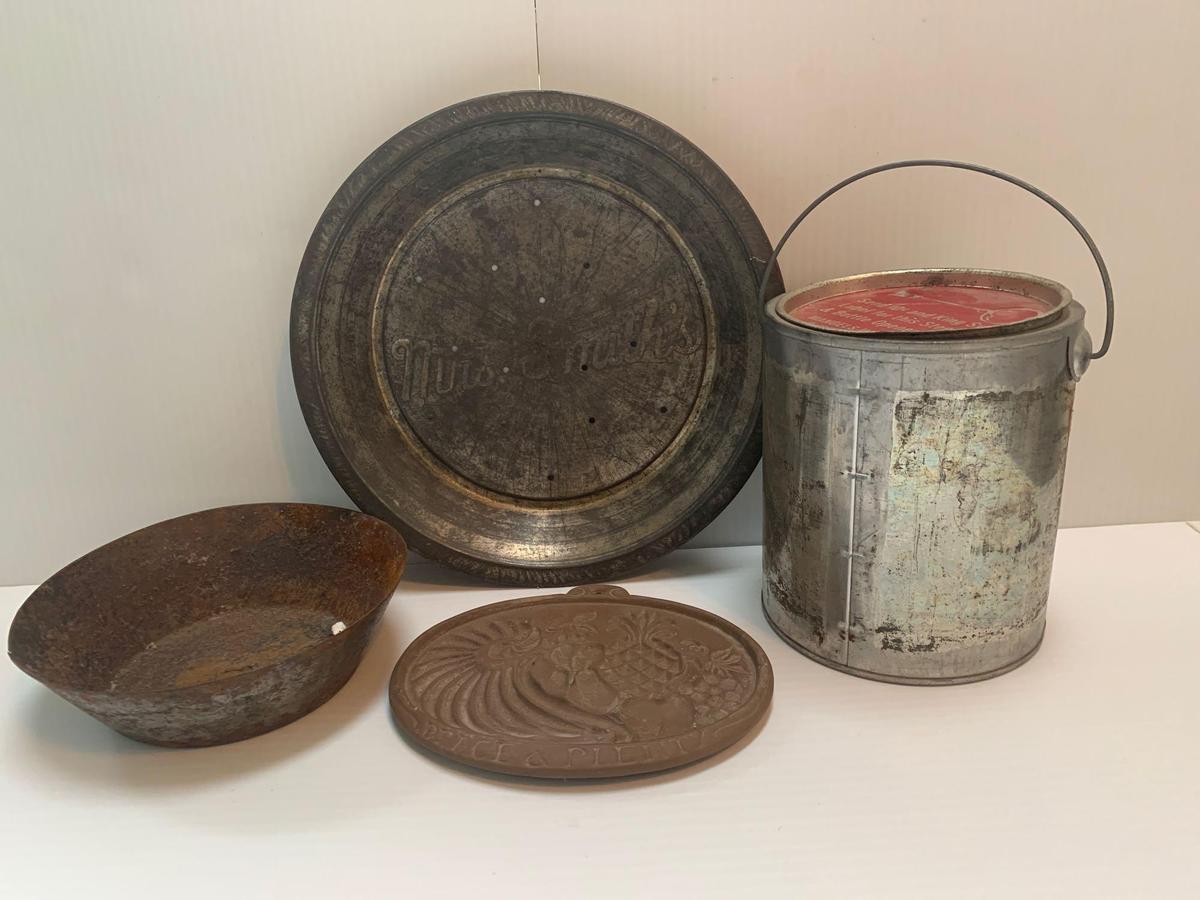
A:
[(1079, 354)]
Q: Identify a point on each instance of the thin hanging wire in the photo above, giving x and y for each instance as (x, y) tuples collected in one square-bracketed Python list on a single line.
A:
[(972, 167), (537, 45)]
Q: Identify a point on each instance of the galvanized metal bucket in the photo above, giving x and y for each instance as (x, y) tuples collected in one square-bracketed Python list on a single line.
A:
[(915, 431)]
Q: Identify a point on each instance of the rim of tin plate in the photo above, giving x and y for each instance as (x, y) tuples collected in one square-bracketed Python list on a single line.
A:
[(1020, 284), (1066, 312)]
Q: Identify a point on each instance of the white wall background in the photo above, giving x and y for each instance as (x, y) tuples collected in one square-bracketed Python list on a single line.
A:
[(162, 165)]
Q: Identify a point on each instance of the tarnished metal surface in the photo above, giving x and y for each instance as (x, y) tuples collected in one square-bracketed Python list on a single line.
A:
[(525, 332), (593, 683), (212, 627), (912, 490)]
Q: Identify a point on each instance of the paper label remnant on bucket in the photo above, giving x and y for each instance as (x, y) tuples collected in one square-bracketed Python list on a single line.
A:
[(914, 310)]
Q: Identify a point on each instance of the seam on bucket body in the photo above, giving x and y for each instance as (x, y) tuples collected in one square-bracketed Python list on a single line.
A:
[(852, 474)]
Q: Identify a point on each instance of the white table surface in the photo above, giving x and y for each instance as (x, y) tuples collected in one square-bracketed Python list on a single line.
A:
[(1077, 775)]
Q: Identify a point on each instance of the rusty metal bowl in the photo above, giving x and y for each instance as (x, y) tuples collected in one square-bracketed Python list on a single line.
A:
[(215, 626)]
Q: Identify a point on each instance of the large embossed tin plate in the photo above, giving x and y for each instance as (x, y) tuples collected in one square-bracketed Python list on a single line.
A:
[(525, 332), (593, 683)]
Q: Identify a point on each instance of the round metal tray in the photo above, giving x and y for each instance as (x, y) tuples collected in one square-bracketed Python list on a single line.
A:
[(525, 331)]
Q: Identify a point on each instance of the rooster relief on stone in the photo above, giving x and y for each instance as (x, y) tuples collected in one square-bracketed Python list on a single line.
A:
[(591, 674)]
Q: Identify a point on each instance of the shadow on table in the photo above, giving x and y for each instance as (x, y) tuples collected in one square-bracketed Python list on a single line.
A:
[(425, 575)]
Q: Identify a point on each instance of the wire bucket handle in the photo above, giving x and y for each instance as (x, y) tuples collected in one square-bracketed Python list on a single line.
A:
[(972, 167)]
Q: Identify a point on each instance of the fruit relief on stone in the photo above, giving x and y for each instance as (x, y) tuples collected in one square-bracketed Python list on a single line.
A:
[(589, 684)]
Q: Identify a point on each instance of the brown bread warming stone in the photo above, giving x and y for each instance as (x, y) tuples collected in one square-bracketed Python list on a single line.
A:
[(593, 683)]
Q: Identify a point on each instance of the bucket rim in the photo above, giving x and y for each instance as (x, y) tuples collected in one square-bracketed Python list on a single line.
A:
[(1053, 294)]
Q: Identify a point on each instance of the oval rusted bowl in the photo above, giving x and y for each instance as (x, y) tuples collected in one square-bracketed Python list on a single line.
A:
[(215, 626)]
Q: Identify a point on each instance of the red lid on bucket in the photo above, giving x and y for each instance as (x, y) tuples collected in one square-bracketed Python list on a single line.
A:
[(914, 309)]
